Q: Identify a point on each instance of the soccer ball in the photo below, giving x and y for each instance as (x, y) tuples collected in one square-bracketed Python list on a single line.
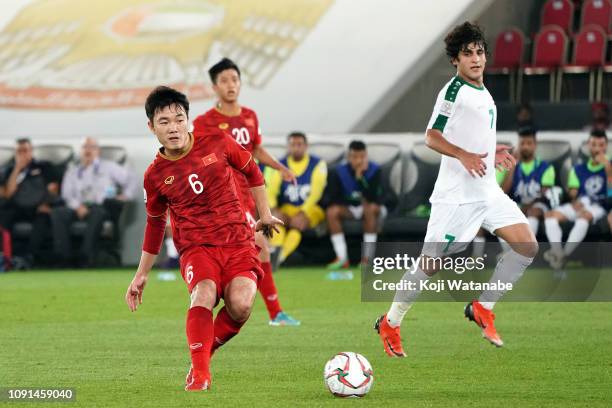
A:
[(348, 374)]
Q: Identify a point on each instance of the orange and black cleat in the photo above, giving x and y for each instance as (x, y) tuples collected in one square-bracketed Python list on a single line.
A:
[(196, 381), (390, 336), (484, 319)]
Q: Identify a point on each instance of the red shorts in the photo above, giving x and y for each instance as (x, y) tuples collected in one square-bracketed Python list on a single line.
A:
[(220, 264)]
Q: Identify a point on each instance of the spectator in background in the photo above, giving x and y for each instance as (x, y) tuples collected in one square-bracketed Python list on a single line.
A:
[(296, 204), (354, 191), (28, 189), (85, 189), (588, 191)]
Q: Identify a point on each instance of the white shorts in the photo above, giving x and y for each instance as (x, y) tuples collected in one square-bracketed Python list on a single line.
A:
[(357, 211), (596, 210), (452, 227)]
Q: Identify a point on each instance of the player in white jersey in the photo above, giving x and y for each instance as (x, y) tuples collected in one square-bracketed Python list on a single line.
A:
[(466, 195)]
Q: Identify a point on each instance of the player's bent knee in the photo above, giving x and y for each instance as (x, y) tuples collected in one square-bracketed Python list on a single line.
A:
[(239, 309), (586, 215)]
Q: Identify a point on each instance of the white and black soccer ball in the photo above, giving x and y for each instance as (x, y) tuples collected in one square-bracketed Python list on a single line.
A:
[(348, 374)]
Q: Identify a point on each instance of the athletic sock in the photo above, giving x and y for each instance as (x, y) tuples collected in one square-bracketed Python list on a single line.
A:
[(225, 329), (339, 244), (200, 335), (554, 234), (404, 299), (534, 224), (509, 269), (369, 238), (268, 291), (292, 241), (576, 235)]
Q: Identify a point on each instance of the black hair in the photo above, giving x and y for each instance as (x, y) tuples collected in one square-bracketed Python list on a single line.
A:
[(462, 36), (163, 96), (298, 134), (221, 66), (23, 140), (599, 134), (357, 145), (527, 131)]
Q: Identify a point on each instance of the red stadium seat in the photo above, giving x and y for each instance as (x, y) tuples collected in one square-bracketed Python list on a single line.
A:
[(597, 12), (549, 53), (558, 12), (508, 56), (589, 56)]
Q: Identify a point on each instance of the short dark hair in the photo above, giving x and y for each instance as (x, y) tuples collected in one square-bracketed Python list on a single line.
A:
[(599, 134), (23, 140), (463, 35), (527, 131), (163, 96), (297, 134), (221, 66), (357, 145)]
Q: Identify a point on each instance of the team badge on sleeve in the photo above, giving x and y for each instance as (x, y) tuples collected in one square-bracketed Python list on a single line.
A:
[(446, 108)]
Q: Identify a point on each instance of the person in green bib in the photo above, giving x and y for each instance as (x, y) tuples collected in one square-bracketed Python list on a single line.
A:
[(587, 185)]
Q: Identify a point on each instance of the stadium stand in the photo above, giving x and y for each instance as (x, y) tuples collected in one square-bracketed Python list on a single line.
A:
[(588, 58), (549, 53)]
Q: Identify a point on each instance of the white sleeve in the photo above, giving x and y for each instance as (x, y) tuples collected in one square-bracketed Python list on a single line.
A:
[(445, 107)]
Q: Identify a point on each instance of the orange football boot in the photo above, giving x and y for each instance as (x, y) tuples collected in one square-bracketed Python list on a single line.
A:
[(484, 319), (390, 336)]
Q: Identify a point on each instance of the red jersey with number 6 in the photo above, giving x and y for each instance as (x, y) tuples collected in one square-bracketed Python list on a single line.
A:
[(200, 192), (244, 128)]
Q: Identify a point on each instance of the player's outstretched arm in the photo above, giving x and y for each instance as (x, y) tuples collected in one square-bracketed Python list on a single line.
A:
[(267, 159), (133, 296), (267, 222), (472, 162)]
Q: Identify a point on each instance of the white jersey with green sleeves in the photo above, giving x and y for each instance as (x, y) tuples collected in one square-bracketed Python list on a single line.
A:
[(466, 115)]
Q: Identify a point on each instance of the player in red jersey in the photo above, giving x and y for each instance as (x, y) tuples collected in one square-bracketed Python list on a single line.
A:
[(191, 177), (242, 123)]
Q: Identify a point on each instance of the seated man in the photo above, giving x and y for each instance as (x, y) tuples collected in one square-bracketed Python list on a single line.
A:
[(85, 189), (528, 183), (296, 204), (588, 188), (354, 191), (28, 188)]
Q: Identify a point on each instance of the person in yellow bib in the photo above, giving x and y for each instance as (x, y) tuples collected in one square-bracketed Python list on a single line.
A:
[(296, 203)]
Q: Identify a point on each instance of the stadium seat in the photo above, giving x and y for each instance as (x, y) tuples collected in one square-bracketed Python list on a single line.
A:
[(507, 59), (332, 153), (559, 154), (118, 154), (419, 173), (597, 12), (549, 53), (57, 154), (385, 154), (589, 56), (558, 12)]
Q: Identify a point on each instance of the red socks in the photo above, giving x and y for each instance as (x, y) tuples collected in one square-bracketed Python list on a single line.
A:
[(200, 337), (268, 291), (225, 329)]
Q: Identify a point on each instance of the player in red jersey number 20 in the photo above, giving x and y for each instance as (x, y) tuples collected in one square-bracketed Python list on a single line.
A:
[(191, 177)]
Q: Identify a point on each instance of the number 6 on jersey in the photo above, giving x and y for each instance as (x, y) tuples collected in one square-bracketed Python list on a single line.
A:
[(196, 185)]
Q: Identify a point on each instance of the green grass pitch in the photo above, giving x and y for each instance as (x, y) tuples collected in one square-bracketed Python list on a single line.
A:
[(73, 329)]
